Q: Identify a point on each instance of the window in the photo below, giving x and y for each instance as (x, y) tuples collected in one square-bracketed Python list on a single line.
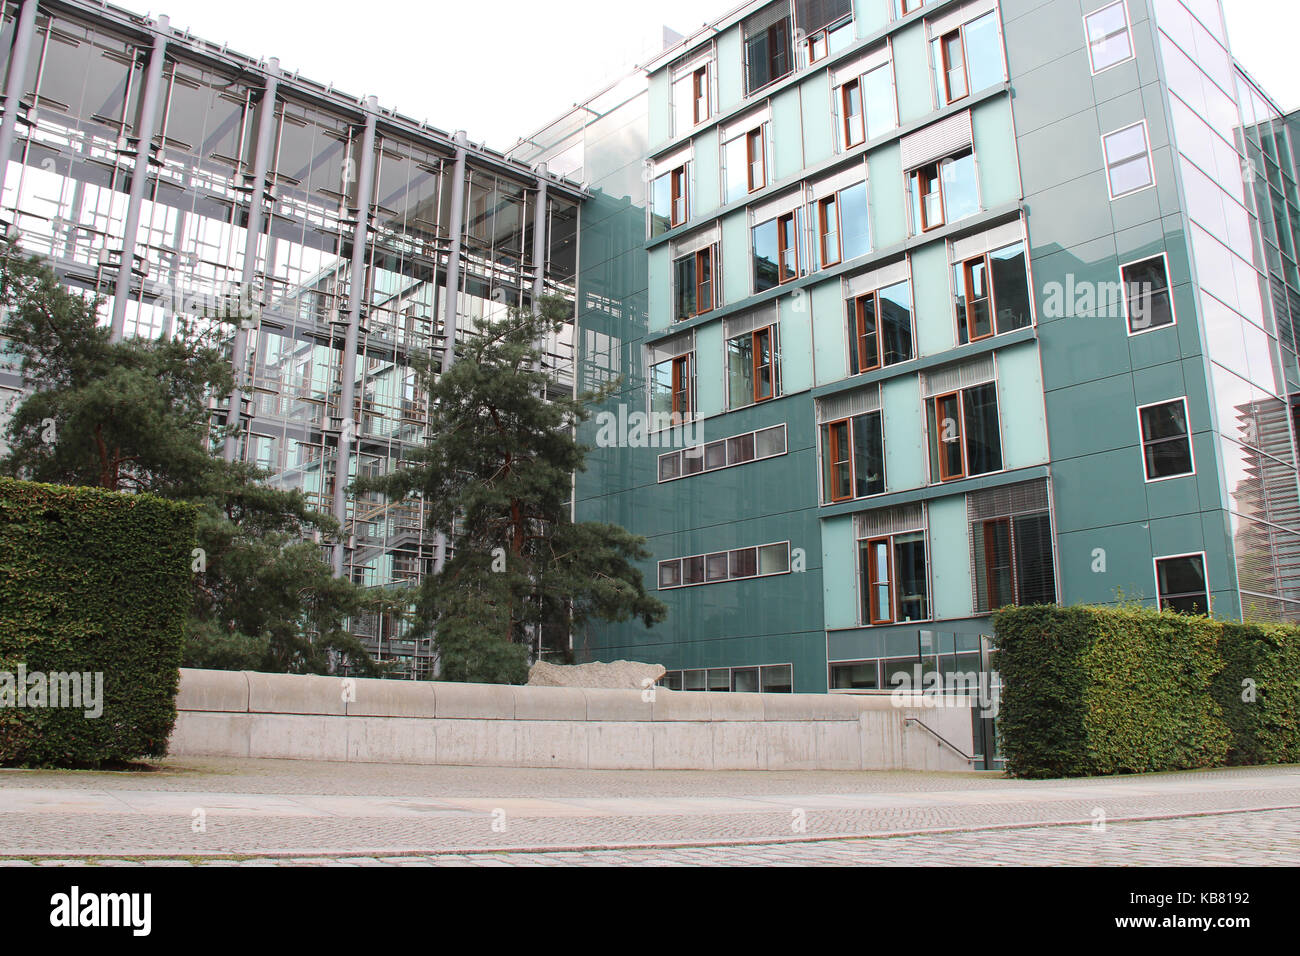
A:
[(1181, 584), (843, 226), (1109, 41), (903, 7), (1128, 160), (968, 59), (672, 390), (828, 231), (700, 89), (745, 159), (768, 44), (851, 109), (763, 561), (1166, 440), (777, 252), (680, 198), (944, 191), (1011, 547), (670, 200), (752, 367), (881, 104), (992, 294), (825, 25), (740, 450), (769, 679), (853, 458), (1148, 303), (964, 435), (694, 276), (893, 581), (880, 328)]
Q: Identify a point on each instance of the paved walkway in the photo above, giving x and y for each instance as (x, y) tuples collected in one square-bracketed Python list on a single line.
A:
[(287, 811)]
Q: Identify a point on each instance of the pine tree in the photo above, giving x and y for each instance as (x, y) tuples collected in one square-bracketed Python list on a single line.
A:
[(496, 479)]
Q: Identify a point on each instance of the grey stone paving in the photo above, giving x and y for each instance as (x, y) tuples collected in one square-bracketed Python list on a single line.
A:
[(304, 813)]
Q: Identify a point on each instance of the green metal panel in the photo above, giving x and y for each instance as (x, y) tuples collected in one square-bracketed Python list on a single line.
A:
[(995, 149), (736, 256), (870, 16), (912, 72), (661, 107), (829, 321), (950, 558), (660, 293), (797, 342), (708, 173), (818, 137), (709, 365), (787, 134), (888, 203), (1020, 402), (936, 325), (904, 457), (839, 570), (731, 69)]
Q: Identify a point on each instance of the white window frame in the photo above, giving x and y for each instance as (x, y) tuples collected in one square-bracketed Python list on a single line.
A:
[(1173, 306), (1128, 28), (1205, 569), (1142, 442), (1106, 163)]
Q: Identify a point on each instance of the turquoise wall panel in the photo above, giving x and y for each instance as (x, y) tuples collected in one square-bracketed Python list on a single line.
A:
[(709, 375), (708, 172), (787, 134), (839, 569), (796, 343), (887, 200), (829, 321), (731, 69), (661, 108), (661, 281), (736, 264), (905, 465), (1020, 401), (870, 15), (818, 135), (912, 72), (936, 326), (949, 561), (995, 150)]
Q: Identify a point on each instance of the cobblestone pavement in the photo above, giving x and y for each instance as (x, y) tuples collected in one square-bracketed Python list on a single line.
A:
[(285, 811)]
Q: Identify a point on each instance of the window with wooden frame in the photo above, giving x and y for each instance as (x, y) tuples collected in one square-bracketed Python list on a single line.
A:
[(680, 196), (928, 189), (903, 7), (700, 91), (851, 111), (672, 390), (682, 398), (787, 236), (894, 582), (753, 369), (880, 328), (1013, 559), (853, 458), (992, 294), (953, 63), (756, 158), (943, 191), (965, 434), (817, 46), (828, 230), (695, 287)]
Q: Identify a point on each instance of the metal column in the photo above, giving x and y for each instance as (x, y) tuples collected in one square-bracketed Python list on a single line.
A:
[(261, 165), (140, 175), (451, 301), (22, 49), (539, 237), (356, 293)]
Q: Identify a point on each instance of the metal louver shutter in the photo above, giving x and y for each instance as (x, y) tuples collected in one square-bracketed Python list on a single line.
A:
[(697, 241), (953, 378), (1009, 500), (884, 521), (813, 15), (857, 402), (937, 141), (671, 348), (769, 16), (749, 321)]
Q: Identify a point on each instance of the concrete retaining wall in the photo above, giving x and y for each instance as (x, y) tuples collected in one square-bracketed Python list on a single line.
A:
[(244, 714)]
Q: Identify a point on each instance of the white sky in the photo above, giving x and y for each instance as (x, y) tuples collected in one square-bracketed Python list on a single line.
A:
[(500, 69)]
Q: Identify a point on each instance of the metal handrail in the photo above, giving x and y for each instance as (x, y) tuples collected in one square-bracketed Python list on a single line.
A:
[(942, 739)]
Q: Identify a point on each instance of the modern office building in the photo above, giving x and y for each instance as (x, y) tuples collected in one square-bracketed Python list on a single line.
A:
[(957, 304), (325, 228), (918, 309)]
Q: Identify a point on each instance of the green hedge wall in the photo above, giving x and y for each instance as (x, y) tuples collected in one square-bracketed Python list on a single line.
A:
[(91, 582), (1259, 691), (1090, 691)]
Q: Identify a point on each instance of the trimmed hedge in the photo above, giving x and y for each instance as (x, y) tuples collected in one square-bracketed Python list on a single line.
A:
[(1259, 691), (91, 582), (1094, 691)]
